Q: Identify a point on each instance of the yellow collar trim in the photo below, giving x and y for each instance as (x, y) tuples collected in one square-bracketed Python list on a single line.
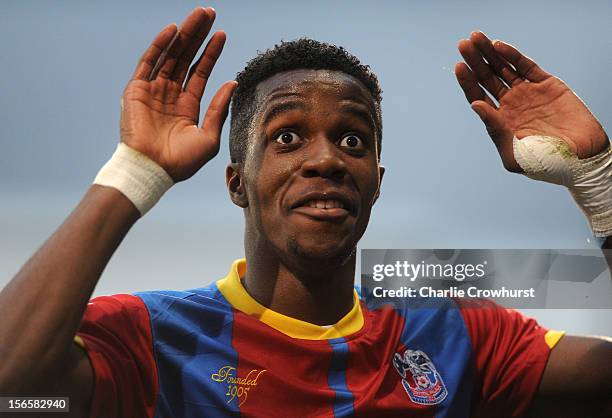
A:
[(232, 289)]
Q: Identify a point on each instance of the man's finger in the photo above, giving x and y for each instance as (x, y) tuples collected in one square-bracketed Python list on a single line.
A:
[(469, 84), (187, 31), (524, 65), (499, 64), (200, 71), (481, 69), (152, 54), (182, 65), (217, 112)]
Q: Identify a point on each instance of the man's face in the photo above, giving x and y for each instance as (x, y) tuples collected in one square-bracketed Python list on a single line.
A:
[(311, 173)]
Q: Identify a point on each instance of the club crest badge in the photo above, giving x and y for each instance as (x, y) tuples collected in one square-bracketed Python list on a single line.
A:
[(420, 379)]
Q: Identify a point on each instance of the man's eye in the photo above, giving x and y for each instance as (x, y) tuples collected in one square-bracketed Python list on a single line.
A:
[(288, 138), (352, 141)]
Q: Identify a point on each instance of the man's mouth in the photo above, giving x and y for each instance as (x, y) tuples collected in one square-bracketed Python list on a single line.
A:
[(324, 204), (327, 206)]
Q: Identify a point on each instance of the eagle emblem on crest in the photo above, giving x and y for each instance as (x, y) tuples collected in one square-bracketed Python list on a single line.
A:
[(420, 379)]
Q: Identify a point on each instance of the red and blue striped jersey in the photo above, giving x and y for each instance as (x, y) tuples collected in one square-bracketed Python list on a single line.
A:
[(216, 352)]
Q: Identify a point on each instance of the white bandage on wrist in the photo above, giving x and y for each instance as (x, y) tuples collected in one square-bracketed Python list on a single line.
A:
[(589, 180), (136, 176)]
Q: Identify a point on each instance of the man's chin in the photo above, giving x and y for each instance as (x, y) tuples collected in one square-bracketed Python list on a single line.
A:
[(322, 253)]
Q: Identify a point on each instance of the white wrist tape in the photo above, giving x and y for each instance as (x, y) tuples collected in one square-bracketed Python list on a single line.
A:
[(589, 180), (135, 175)]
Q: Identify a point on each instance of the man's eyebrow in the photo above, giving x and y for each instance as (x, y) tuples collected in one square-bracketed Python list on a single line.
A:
[(276, 109), (357, 109)]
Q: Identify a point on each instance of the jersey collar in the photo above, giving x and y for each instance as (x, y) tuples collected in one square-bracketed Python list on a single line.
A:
[(232, 289)]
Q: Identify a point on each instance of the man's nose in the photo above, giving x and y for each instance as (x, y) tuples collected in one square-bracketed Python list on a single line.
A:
[(324, 160)]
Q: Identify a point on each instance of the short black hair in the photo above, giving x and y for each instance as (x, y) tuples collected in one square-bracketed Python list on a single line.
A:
[(303, 53)]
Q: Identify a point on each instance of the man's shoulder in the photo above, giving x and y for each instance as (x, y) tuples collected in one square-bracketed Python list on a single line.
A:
[(177, 301), (160, 306), (209, 291)]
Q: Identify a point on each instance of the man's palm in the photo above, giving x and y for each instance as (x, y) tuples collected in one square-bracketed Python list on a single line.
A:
[(165, 132), (552, 109)]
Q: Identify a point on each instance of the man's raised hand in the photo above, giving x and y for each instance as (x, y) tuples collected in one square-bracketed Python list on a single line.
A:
[(531, 101), (161, 104)]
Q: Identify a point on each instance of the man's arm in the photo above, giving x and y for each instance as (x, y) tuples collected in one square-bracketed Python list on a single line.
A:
[(538, 124), (43, 304), (577, 381)]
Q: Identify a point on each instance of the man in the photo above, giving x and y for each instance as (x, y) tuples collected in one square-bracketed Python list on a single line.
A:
[(288, 335)]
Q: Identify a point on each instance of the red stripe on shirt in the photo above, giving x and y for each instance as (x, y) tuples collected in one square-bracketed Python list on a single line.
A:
[(117, 336), (510, 355), (294, 382), (379, 393)]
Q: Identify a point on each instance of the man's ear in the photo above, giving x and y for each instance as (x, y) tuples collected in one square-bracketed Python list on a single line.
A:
[(381, 173), (235, 185)]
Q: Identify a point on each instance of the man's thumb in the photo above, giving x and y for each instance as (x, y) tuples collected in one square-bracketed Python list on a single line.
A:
[(494, 123), (499, 133), (480, 111)]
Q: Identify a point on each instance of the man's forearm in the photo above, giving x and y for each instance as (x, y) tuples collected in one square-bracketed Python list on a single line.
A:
[(43, 304)]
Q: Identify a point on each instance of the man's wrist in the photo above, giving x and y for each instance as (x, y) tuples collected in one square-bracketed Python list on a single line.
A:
[(136, 176), (592, 190), (589, 180)]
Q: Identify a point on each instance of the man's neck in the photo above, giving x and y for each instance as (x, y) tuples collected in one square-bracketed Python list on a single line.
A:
[(313, 294)]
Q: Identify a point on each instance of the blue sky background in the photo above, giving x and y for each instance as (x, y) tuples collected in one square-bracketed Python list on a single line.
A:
[(64, 66)]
